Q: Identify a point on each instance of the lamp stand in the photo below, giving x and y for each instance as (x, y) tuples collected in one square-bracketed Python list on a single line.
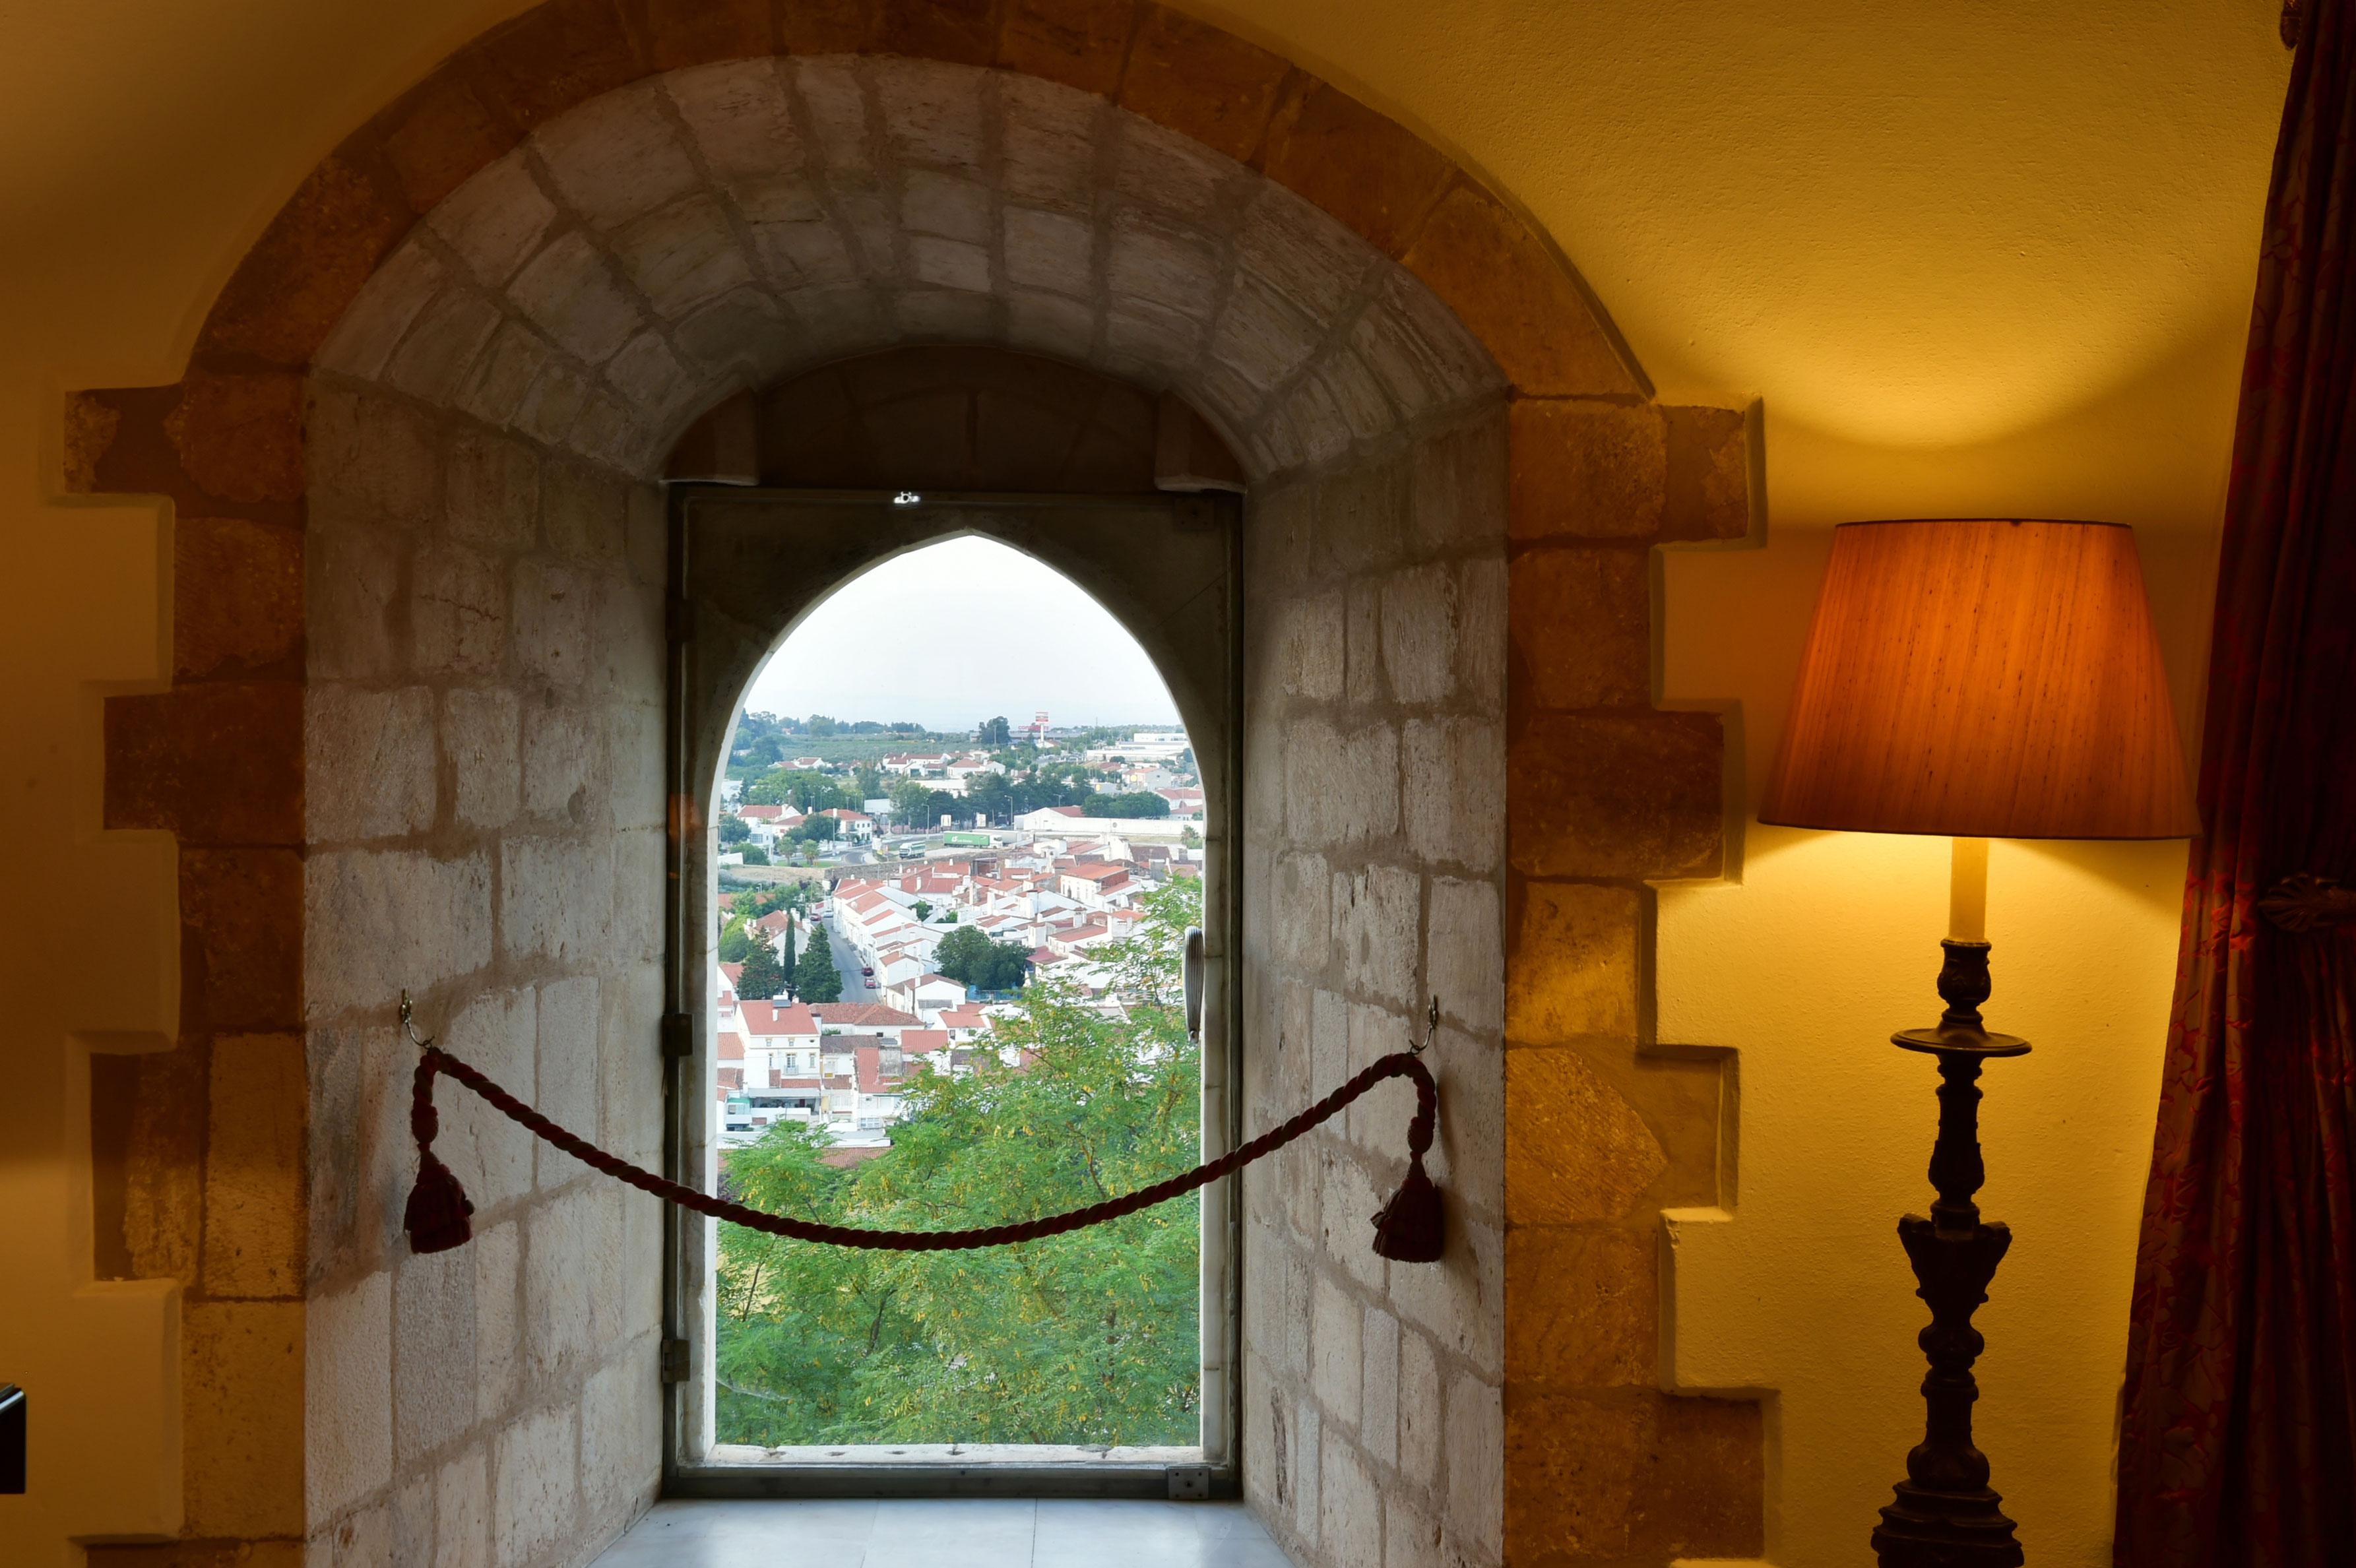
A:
[(1946, 1515)]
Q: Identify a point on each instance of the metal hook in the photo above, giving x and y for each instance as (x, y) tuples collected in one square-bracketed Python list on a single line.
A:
[(408, 1027), (1430, 1028)]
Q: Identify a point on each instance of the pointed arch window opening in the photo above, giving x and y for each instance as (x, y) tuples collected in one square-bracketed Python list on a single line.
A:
[(1103, 1351)]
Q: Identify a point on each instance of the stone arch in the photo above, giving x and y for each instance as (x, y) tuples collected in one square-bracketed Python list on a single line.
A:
[(1463, 404)]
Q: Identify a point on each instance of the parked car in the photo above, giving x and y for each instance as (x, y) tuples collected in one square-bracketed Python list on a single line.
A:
[(867, 971)]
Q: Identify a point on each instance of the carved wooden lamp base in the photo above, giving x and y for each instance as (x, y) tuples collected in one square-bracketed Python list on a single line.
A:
[(1946, 1515)]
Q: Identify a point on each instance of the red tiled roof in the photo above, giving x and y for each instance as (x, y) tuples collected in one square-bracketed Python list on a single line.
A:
[(769, 1018), (864, 1015), (917, 1040)]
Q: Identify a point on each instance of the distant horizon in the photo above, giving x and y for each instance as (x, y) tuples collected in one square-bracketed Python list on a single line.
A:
[(1008, 714), (921, 636)]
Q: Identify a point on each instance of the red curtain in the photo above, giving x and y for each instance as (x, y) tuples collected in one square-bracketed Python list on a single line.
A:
[(2238, 1440)]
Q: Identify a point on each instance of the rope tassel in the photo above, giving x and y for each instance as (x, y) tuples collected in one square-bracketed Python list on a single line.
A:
[(1411, 1227)]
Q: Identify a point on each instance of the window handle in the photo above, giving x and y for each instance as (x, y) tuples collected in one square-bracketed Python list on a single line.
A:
[(1194, 972)]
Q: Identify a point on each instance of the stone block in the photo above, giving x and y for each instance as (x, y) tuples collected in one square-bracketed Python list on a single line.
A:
[(563, 751), (1573, 969), (237, 603), (1582, 627), (1459, 484), (347, 1395), (254, 1214), (1341, 787), (412, 1519), (433, 1352), (1454, 790), (216, 761), (1261, 338), (1162, 168), (556, 897), (363, 342), (948, 265), (932, 113), (1710, 474), (1420, 1408), (369, 763), (493, 491), (1334, 1366), (1078, 43), (567, 1071), (496, 1033), (372, 456), (438, 136), (1361, 641), (1315, 425), (352, 581), (837, 105), (1481, 597), (1518, 298), (244, 908), (634, 765), (1379, 1402), (1350, 1506), (964, 31), (1465, 953), (505, 379), (1309, 647), (1420, 634), (1628, 796), (569, 291), (1201, 81), (360, 1156), (496, 220), (536, 1496), (1351, 384), (1576, 1150), (377, 922), (554, 57), (480, 737), (1637, 1475), (552, 404), (948, 206), (1046, 249), (1376, 925), (240, 437), (1588, 470), (497, 1253), (1304, 1469), (561, 1260), (1469, 1158), (1048, 144), (457, 612), (305, 271), (242, 1423), (687, 33), (584, 511), (434, 361), (1411, 1538), (1476, 1463), (680, 257), (553, 607), (462, 1511), (1318, 268), (1377, 178), (1349, 1196), (1582, 1309), (617, 157), (621, 1431)]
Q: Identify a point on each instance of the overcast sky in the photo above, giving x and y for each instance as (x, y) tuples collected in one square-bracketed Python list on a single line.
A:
[(956, 633)]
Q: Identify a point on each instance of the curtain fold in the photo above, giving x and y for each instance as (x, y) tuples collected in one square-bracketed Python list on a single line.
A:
[(2238, 1432)]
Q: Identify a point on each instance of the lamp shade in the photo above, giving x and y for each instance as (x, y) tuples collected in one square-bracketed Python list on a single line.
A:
[(1984, 677)]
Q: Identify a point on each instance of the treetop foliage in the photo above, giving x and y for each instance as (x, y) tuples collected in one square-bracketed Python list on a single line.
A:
[(1089, 1338)]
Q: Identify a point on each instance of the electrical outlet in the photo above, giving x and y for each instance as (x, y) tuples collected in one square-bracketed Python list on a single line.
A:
[(1190, 1483)]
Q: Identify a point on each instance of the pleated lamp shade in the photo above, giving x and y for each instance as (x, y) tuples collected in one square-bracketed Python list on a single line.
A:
[(1988, 678)]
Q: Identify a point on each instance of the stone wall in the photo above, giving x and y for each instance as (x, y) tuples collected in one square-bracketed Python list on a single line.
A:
[(1375, 781), (484, 829)]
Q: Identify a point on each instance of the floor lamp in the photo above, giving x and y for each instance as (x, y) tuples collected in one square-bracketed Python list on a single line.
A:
[(1980, 679)]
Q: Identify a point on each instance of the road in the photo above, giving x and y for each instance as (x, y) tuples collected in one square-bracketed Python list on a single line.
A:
[(856, 987)]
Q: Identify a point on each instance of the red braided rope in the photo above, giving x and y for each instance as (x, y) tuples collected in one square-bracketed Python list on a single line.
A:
[(424, 1123)]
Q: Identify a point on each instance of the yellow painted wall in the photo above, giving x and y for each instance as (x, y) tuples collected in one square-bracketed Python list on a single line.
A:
[(1985, 258)]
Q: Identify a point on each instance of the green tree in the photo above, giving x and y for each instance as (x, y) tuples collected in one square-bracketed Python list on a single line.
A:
[(816, 980), (764, 977), (819, 725), (797, 787), (1088, 1338), (970, 959), (735, 829), (815, 828), (733, 942), (756, 856), (923, 911), (995, 732), (868, 780), (1135, 803)]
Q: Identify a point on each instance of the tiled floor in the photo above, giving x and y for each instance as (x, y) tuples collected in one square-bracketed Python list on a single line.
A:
[(945, 1533)]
